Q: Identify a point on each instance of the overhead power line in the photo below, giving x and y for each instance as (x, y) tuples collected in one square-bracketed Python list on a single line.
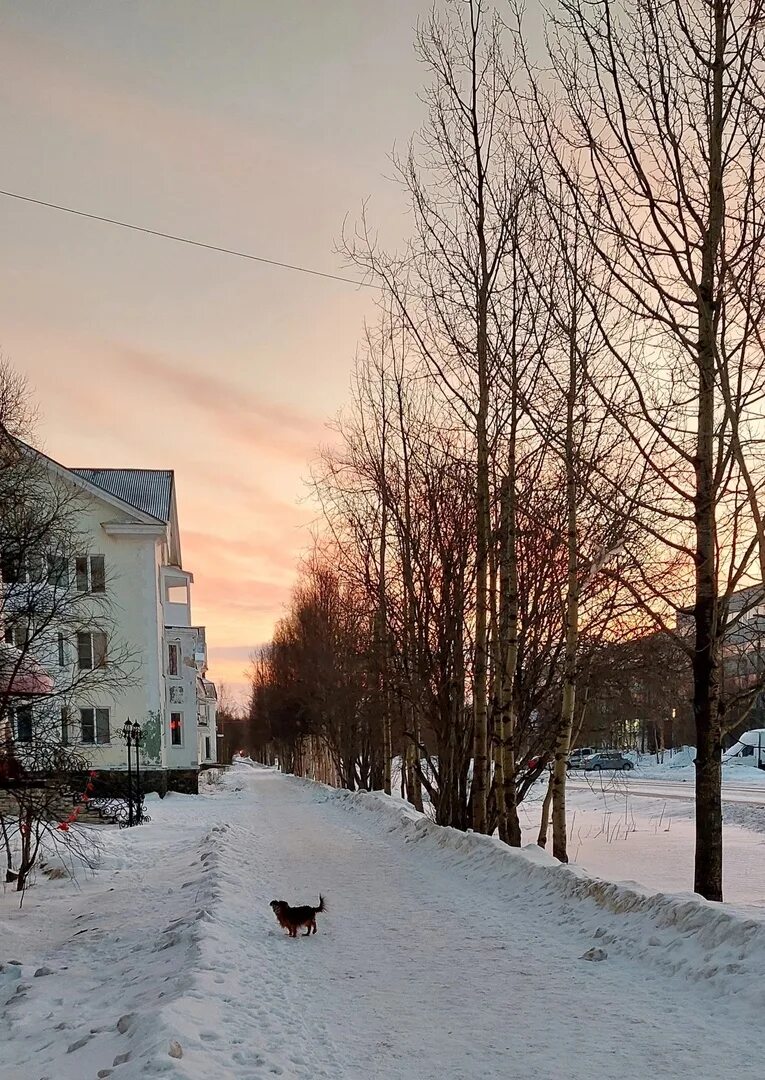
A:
[(189, 241)]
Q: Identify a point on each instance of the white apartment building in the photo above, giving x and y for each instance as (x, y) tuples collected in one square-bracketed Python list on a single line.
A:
[(132, 560)]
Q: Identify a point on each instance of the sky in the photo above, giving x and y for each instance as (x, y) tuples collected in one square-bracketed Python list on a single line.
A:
[(252, 125)]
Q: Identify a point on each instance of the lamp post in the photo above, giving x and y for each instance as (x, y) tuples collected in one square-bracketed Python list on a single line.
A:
[(133, 736), (127, 735), (137, 733)]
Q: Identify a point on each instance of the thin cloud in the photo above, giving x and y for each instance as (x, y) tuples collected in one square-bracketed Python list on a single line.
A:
[(236, 410), (83, 93), (224, 596)]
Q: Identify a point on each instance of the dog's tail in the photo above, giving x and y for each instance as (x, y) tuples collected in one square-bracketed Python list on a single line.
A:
[(322, 906)]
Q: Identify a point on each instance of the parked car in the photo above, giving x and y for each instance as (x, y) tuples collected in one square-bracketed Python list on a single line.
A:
[(611, 759), (577, 758)]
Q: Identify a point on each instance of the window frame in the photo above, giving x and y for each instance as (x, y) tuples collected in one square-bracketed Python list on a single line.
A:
[(57, 570), (84, 574), (17, 634), (97, 658), (12, 568), (98, 715), (66, 726), (173, 649), (28, 716), (176, 728)]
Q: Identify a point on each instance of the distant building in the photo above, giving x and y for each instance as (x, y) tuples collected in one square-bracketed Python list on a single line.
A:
[(132, 555), (743, 656), (744, 638)]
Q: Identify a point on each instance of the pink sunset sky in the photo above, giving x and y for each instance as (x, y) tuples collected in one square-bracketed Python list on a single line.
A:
[(239, 123)]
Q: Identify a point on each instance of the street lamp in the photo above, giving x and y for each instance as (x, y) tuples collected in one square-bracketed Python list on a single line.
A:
[(127, 735), (133, 735), (137, 738)]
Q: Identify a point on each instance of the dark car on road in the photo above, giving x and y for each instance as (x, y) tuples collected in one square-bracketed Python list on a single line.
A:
[(612, 761)]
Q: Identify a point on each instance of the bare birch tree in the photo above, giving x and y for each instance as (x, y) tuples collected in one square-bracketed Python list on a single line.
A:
[(663, 127)]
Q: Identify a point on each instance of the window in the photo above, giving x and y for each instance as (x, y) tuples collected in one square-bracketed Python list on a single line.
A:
[(24, 724), (91, 650), (207, 747), (90, 573), (58, 571), (65, 726), (81, 574), (176, 728), (172, 659), (61, 651), (97, 574), (94, 725), (19, 567), (17, 634), (12, 567), (176, 695), (35, 570)]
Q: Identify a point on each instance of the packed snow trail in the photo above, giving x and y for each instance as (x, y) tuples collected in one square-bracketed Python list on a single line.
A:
[(421, 968)]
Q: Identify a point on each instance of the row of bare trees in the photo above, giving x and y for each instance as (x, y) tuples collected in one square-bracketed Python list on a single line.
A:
[(554, 441)]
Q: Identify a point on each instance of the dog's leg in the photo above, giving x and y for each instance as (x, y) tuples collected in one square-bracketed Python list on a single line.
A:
[(313, 923), (308, 931)]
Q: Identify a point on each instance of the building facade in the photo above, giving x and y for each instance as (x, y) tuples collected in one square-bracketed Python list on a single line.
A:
[(131, 574)]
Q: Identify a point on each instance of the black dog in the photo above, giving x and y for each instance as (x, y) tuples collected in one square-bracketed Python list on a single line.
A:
[(292, 918)]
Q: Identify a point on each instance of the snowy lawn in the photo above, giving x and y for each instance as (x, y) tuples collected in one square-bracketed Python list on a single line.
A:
[(680, 769), (619, 831), (442, 955)]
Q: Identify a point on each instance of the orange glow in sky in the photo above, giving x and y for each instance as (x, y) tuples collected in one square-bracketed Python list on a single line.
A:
[(256, 127)]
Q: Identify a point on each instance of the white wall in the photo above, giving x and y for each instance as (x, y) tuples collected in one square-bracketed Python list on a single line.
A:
[(136, 615), (132, 618), (183, 685)]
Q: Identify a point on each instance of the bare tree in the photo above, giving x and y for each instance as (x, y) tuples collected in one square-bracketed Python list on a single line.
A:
[(663, 131), (46, 619), (453, 285)]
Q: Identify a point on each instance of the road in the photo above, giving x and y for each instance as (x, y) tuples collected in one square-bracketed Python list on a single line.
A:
[(432, 962), (752, 794)]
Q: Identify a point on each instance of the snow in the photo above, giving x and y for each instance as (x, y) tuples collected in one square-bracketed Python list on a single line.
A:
[(442, 955), (617, 830)]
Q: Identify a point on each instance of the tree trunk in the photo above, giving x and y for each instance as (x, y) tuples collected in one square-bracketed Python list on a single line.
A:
[(544, 823), (413, 776), (507, 809), (383, 609), (479, 790), (706, 679), (479, 787), (568, 705)]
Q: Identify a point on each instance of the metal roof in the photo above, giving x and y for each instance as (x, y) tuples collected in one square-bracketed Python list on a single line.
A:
[(148, 490)]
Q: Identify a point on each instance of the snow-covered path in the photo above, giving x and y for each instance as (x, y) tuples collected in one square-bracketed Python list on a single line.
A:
[(427, 965)]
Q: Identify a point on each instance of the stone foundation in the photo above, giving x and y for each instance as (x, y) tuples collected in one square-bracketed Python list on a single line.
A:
[(112, 783)]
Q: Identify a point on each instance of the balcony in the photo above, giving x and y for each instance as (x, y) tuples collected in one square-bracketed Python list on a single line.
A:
[(176, 596)]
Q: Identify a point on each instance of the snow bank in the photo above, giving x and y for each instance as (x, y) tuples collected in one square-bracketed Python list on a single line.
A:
[(154, 942), (683, 934)]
